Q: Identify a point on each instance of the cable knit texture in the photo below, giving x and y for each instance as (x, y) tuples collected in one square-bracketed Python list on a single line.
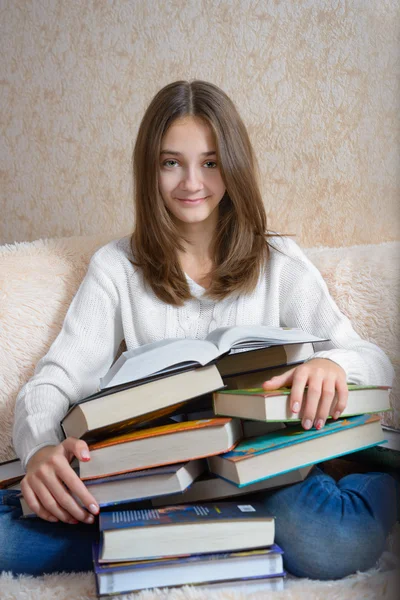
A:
[(114, 303)]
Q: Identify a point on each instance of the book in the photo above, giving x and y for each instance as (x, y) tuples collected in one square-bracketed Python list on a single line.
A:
[(393, 438), (254, 379), (182, 530), (257, 428), (157, 446), (248, 585), (274, 405), (139, 485), (171, 355), (246, 362), (11, 473), (291, 448), (211, 487), (118, 578), (124, 407)]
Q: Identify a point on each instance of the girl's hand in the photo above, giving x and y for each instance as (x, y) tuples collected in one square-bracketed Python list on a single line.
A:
[(50, 482), (324, 379)]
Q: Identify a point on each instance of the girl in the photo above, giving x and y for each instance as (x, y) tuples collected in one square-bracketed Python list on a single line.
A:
[(199, 258)]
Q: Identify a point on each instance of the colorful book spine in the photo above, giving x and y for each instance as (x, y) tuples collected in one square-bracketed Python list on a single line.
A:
[(183, 513), (291, 436)]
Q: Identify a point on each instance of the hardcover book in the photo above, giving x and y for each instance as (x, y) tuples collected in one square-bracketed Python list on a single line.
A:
[(277, 358), (274, 405), (139, 485), (185, 529), (211, 487), (118, 578), (137, 403), (159, 446), (291, 448), (173, 354)]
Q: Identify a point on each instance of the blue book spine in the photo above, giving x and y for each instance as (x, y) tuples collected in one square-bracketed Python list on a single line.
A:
[(170, 561), (291, 436), (190, 513)]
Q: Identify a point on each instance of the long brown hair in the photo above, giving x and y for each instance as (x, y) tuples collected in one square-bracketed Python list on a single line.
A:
[(240, 246)]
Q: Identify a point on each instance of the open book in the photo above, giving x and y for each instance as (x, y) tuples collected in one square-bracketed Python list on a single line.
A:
[(167, 356)]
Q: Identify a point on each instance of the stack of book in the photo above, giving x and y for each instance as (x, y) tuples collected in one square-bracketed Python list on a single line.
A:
[(172, 426), (198, 544)]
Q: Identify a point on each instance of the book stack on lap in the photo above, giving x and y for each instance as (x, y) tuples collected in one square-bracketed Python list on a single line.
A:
[(187, 544), (171, 428)]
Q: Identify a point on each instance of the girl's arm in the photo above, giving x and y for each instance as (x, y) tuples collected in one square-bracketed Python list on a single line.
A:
[(80, 355), (305, 302)]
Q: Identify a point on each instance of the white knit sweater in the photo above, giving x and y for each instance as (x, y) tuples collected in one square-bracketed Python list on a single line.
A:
[(113, 303)]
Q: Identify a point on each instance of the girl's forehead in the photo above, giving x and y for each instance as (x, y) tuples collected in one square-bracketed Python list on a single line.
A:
[(195, 127)]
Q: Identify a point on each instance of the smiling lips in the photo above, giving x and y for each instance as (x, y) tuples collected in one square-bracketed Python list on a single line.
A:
[(193, 202)]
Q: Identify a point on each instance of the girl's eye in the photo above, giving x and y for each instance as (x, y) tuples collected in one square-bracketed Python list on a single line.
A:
[(170, 163), (210, 164)]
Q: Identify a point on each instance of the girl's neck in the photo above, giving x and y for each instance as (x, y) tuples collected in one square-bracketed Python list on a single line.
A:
[(197, 258)]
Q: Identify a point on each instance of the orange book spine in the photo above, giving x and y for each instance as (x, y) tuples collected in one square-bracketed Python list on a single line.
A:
[(157, 431)]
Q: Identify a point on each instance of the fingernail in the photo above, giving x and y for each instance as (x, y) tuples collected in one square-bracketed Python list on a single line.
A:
[(320, 424), (307, 424), (85, 454), (89, 519), (336, 415), (93, 509), (296, 407)]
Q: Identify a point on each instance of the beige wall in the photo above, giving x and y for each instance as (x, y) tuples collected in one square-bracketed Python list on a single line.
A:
[(316, 81)]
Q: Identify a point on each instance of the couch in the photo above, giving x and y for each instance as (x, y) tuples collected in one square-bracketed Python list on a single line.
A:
[(37, 282)]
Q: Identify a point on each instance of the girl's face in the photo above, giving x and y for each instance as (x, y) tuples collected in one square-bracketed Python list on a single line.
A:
[(190, 181)]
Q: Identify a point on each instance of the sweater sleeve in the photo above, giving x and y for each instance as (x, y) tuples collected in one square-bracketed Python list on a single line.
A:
[(306, 303), (81, 354)]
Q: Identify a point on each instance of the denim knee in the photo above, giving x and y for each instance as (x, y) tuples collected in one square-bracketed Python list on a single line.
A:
[(330, 552), (325, 531)]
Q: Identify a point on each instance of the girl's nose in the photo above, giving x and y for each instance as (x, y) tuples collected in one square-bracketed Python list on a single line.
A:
[(191, 180)]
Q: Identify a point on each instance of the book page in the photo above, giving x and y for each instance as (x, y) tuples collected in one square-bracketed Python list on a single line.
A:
[(164, 356), (257, 336)]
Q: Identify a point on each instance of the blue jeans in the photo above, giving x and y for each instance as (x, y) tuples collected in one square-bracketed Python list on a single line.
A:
[(326, 529)]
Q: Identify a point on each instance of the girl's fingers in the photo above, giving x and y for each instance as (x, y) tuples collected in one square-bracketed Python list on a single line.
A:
[(279, 381), (80, 450), (299, 382), (66, 502), (50, 503), (311, 401), (34, 504), (325, 403), (342, 394), (77, 448), (78, 489)]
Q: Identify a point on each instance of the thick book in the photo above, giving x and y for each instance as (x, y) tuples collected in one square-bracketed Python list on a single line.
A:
[(171, 355), (274, 405), (281, 451), (248, 361), (135, 403), (185, 529), (257, 428), (11, 473), (139, 485), (211, 487), (159, 446), (254, 379), (132, 576)]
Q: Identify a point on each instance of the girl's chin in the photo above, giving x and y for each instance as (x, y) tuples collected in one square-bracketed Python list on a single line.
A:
[(191, 218)]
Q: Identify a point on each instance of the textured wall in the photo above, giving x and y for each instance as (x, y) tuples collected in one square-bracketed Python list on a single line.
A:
[(317, 83)]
